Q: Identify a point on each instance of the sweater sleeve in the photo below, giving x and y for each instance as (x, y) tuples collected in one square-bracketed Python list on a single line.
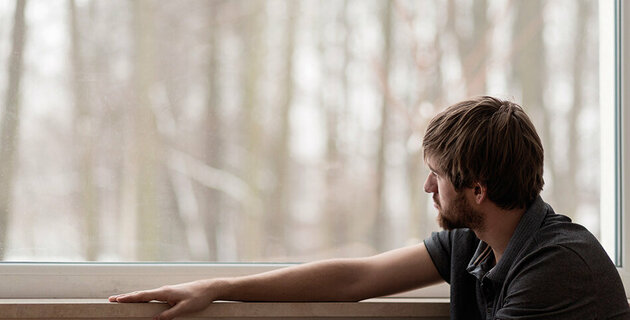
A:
[(439, 247)]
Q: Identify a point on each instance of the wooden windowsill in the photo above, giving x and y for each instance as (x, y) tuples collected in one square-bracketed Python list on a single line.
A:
[(385, 308)]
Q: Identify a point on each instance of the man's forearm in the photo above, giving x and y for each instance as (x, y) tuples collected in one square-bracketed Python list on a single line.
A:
[(330, 280)]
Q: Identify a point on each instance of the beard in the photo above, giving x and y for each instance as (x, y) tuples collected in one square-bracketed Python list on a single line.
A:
[(459, 214)]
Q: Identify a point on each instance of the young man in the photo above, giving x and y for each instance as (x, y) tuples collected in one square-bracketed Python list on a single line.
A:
[(504, 251)]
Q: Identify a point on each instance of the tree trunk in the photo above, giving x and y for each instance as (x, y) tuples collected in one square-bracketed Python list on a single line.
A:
[(212, 135), (568, 181), (478, 44), (530, 71), (250, 247), (473, 50), (278, 217), (380, 227), (84, 135), (422, 221), (145, 133), (10, 123), (338, 213)]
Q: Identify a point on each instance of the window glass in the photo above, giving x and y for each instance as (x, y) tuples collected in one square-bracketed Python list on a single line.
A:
[(242, 131)]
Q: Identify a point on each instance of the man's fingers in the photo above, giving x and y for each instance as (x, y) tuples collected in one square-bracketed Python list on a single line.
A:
[(140, 296), (173, 312)]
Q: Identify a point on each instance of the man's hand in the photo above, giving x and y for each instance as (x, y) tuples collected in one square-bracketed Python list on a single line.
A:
[(183, 298)]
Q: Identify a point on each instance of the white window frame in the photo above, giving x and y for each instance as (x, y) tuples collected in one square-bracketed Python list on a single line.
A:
[(622, 87), (87, 280)]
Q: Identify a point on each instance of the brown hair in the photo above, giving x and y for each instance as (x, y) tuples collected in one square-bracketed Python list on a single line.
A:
[(489, 141)]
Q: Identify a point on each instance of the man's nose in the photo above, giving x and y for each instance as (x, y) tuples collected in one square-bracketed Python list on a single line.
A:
[(430, 184)]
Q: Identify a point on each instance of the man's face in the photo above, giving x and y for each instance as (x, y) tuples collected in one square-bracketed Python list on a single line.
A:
[(454, 210)]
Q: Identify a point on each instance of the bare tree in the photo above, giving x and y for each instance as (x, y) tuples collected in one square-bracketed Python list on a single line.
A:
[(566, 179), (334, 215), (84, 143), (212, 131), (146, 148), (381, 224), (250, 248), (473, 46), (530, 70), (11, 122), (421, 222), (277, 219)]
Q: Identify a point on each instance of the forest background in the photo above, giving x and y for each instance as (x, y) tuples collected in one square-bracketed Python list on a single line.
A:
[(251, 131)]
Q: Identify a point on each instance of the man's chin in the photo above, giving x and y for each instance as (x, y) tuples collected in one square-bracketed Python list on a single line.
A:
[(445, 223)]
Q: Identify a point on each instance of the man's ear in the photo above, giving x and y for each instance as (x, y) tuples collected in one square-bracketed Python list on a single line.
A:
[(480, 192)]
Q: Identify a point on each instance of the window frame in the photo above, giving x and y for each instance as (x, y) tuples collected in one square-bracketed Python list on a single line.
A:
[(622, 96), (99, 280)]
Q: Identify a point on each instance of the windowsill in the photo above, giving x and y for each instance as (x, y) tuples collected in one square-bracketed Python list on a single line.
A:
[(390, 308)]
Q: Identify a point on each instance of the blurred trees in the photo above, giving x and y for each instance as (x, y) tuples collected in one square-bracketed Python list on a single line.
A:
[(84, 132), (268, 130), (212, 131), (11, 112), (278, 215), (380, 225)]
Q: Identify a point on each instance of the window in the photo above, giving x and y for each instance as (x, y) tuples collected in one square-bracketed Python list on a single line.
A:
[(273, 131), (622, 144), (610, 75)]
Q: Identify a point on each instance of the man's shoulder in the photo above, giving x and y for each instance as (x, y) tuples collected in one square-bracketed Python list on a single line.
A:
[(552, 260), (560, 242), (558, 234), (564, 267), (560, 278)]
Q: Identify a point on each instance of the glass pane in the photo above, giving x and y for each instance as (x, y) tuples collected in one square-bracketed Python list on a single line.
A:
[(269, 130)]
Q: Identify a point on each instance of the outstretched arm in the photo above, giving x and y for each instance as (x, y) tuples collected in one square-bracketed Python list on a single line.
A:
[(329, 280)]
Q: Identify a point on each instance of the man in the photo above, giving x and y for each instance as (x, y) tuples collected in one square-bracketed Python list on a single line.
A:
[(504, 251)]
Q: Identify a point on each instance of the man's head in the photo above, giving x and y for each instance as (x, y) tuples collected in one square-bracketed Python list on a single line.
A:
[(486, 142)]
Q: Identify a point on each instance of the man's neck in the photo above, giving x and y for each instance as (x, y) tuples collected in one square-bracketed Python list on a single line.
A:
[(499, 226)]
